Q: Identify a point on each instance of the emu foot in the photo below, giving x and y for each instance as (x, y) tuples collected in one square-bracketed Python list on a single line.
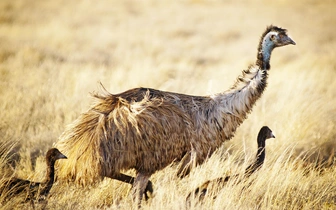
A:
[(148, 190)]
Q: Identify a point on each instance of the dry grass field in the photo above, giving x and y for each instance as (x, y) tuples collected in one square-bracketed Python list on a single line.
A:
[(54, 53)]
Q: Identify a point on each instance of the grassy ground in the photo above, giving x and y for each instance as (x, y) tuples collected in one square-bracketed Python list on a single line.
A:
[(53, 53)]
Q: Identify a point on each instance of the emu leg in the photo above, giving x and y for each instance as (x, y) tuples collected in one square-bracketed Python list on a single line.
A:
[(202, 190), (130, 180), (123, 178), (139, 187), (185, 166)]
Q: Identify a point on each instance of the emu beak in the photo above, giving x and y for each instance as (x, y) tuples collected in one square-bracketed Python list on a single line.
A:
[(61, 156), (288, 40), (272, 135)]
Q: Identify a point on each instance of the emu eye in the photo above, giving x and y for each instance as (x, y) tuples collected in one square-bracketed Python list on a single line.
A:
[(272, 37)]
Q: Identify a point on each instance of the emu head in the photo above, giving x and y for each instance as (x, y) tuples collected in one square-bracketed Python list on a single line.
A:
[(276, 37), (265, 133), (53, 155)]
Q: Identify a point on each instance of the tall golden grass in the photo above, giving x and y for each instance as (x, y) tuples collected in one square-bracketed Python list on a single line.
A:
[(53, 53)]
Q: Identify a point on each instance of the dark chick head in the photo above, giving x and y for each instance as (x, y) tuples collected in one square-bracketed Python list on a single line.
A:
[(265, 133), (54, 154)]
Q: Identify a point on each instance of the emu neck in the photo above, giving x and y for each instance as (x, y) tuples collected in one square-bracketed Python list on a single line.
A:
[(51, 173), (261, 153), (264, 53), (234, 104), (50, 177), (260, 157), (248, 88)]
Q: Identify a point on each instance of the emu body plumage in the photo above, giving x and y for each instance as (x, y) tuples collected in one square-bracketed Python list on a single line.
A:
[(147, 129)]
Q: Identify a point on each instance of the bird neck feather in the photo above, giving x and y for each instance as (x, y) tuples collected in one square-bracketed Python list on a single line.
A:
[(50, 173), (265, 49), (240, 98), (261, 148)]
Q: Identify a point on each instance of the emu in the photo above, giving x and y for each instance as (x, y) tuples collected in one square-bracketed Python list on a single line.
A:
[(264, 134), (35, 190), (147, 129)]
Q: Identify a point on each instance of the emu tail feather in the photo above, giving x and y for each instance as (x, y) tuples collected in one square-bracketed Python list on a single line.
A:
[(84, 142), (117, 134), (80, 143)]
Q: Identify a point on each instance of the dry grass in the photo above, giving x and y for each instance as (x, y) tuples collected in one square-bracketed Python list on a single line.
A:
[(53, 53)]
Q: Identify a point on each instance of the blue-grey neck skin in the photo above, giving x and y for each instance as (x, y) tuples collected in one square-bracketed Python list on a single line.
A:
[(265, 49)]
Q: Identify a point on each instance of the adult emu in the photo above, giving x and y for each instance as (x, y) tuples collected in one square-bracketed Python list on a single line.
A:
[(147, 129)]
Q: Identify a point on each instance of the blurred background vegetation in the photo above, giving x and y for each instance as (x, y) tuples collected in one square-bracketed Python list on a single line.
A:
[(54, 53)]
